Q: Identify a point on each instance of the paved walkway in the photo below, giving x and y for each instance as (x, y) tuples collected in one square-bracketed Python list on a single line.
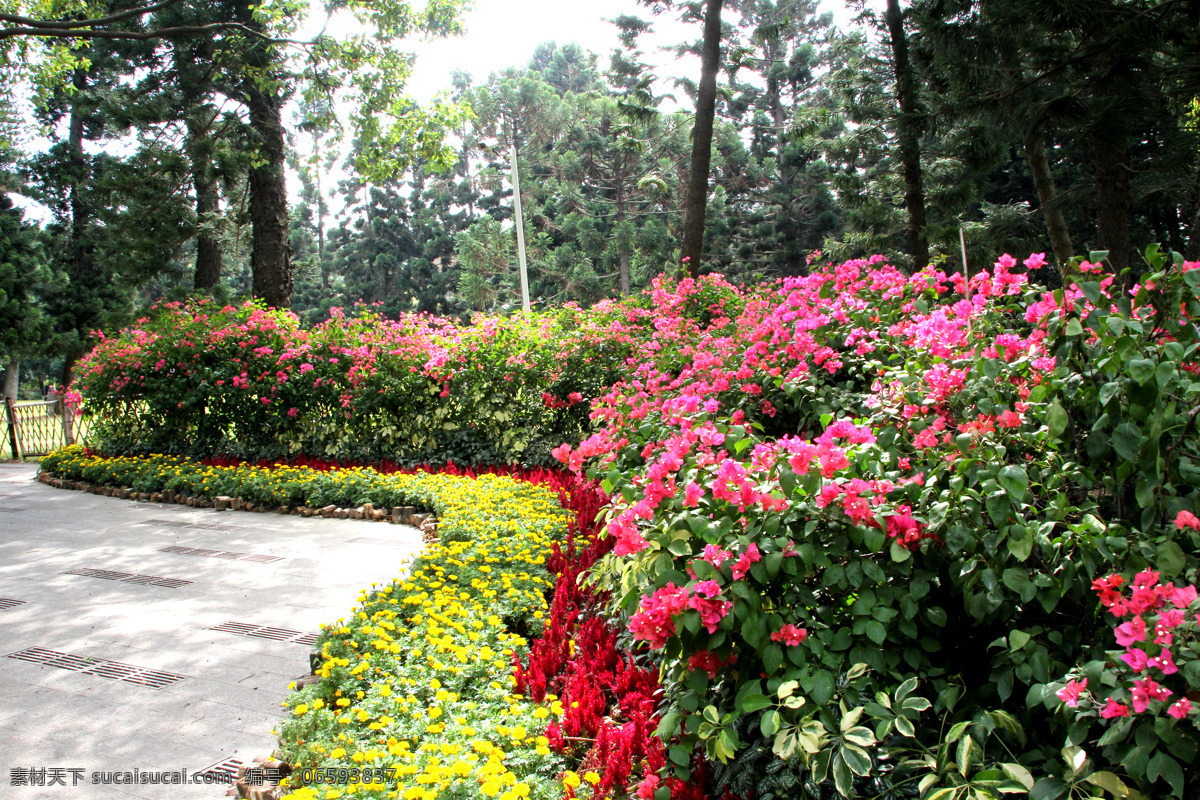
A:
[(150, 605)]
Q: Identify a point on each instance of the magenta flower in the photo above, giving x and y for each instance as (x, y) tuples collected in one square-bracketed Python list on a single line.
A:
[(1136, 659), (1069, 694), (1131, 632), (1146, 690), (1114, 709), (1180, 708), (790, 635)]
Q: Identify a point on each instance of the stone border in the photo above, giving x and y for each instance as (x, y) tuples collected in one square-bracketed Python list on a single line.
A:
[(426, 522)]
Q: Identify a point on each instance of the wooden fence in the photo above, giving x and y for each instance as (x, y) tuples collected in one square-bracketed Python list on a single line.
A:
[(38, 427)]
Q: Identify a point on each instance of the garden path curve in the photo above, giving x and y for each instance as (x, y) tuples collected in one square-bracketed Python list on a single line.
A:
[(109, 661)]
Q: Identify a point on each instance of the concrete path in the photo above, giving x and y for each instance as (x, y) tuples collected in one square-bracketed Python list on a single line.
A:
[(180, 695)]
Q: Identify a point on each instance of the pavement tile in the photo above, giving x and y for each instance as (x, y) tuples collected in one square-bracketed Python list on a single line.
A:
[(230, 700)]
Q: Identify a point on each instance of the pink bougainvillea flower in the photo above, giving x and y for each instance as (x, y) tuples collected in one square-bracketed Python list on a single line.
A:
[(645, 789), (1180, 708), (1069, 694), (1164, 662), (706, 601), (790, 635), (742, 565), (715, 555), (655, 620), (708, 661), (1130, 632), (1186, 519), (1136, 658), (1114, 709), (1146, 690)]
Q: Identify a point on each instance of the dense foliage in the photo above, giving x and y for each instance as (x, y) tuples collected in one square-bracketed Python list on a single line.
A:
[(243, 381)]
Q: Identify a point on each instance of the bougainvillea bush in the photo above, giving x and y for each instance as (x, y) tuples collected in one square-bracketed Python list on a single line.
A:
[(204, 380), (849, 486)]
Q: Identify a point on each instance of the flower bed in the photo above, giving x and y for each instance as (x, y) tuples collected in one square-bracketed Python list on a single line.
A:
[(853, 497), (417, 697)]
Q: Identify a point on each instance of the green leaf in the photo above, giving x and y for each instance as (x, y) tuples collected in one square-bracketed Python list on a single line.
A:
[(857, 759), (957, 731), (860, 736), (1020, 542), (1048, 789), (966, 748), (1074, 328), (755, 702), (1014, 480), (772, 656), (1171, 560), (1127, 441), (1019, 774), (1140, 369), (1109, 783), (1056, 419), (1017, 640), (769, 724), (1108, 391), (1167, 768), (843, 779)]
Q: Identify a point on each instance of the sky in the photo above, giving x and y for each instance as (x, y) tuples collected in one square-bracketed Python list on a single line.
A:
[(504, 33)]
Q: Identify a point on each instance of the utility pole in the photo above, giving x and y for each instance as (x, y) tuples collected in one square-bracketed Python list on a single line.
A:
[(520, 221)]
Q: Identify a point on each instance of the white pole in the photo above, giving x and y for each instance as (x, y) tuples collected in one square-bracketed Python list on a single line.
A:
[(962, 241), (520, 221)]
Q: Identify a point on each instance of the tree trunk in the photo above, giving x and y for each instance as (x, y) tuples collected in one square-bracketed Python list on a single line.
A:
[(622, 241), (1043, 181), (1112, 198), (910, 125), (702, 134), (321, 233), (12, 378), (270, 249), (81, 270), (1193, 245), (208, 205)]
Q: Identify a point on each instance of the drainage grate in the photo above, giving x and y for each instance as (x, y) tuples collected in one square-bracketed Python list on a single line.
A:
[(204, 526), (266, 632), (226, 769), (196, 551), (102, 668), (125, 577), (5, 603)]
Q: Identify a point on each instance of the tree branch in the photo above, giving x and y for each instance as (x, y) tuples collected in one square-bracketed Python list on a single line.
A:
[(31, 22)]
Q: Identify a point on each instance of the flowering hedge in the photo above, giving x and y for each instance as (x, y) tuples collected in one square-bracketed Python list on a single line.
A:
[(247, 382), (899, 480)]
